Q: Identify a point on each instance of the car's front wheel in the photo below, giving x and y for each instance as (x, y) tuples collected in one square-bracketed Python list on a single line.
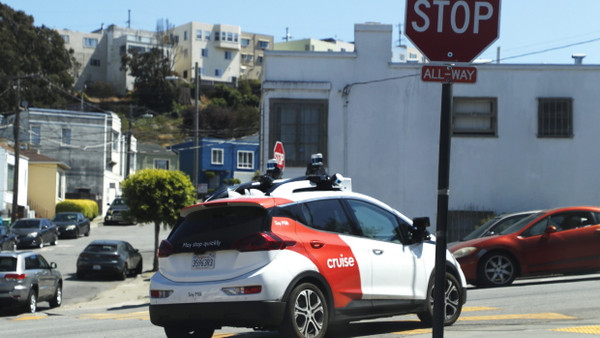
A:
[(56, 301), (496, 269), (453, 301), (206, 332), (40, 242), (306, 313)]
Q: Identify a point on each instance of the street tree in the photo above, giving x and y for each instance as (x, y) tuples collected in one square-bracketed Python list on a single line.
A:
[(35, 56), (157, 196)]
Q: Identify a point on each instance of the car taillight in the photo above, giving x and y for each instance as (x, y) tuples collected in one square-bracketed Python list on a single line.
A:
[(160, 293), (14, 276), (165, 249), (242, 290), (260, 242)]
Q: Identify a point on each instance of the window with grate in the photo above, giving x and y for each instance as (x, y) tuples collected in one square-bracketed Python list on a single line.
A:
[(555, 117), (474, 116)]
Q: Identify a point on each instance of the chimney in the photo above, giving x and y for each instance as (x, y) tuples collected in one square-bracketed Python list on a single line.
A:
[(578, 58)]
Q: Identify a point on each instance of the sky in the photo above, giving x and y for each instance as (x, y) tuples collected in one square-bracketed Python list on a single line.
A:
[(531, 31)]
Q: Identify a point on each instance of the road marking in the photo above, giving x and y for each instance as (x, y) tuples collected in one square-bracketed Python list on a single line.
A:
[(30, 317), (479, 308), (415, 331), (141, 315), (548, 315), (581, 329)]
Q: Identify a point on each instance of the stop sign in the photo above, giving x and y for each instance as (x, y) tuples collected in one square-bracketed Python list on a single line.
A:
[(452, 30), (279, 155)]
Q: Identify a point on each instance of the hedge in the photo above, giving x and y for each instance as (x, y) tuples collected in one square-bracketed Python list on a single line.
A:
[(88, 208)]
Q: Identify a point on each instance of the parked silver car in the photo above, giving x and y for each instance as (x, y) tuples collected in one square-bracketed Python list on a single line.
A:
[(26, 278)]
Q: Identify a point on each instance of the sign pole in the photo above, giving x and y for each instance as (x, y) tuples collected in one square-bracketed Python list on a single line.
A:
[(439, 294)]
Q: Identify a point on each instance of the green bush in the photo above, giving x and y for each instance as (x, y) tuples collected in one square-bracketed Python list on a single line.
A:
[(88, 208)]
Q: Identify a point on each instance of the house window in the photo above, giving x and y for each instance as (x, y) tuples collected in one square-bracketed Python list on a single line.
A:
[(474, 116), (66, 136), (10, 177), (90, 43), (263, 44), (227, 55), (204, 52), (260, 59), (236, 37), (36, 134), (217, 35), (555, 117), (207, 35), (216, 156), (60, 185), (223, 36), (245, 159), (185, 74), (218, 72), (302, 127), (115, 141), (184, 35), (161, 164), (229, 36), (245, 42), (198, 34), (95, 62), (65, 38)]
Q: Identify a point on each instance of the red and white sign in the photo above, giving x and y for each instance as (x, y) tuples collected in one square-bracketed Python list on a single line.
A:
[(452, 30), (449, 74), (279, 155)]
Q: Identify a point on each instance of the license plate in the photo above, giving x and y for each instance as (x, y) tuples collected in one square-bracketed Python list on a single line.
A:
[(96, 267), (203, 262)]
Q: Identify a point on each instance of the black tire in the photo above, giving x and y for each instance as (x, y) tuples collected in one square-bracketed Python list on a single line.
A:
[(56, 301), (139, 267), (123, 274), (453, 303), (76, 233), (496, 269), (40, 242), (87, 233), (80, 274), (175, 332), (306, 313), (31, 304), (55, 241)]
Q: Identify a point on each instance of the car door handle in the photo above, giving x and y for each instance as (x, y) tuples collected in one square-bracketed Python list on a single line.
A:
[(316, 244), (377, 251)]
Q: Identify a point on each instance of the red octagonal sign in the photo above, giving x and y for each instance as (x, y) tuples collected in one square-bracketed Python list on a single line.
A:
[(452, 30)]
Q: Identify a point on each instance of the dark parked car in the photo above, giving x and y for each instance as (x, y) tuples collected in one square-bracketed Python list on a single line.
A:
[(26, 279), (71, 224), (109, 257), (8, 240), (117, 213), (556, 241), (35, 232)]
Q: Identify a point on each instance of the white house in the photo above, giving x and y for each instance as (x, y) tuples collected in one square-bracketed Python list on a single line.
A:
[(7, 171), (524, 136)]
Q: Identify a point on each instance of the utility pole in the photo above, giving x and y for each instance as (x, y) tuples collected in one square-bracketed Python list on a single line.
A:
[(16, 127), (196, 121), (128, 159)]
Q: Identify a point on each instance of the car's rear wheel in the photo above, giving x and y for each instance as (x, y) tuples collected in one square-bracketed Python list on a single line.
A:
[(206, 332), (124, 272), (138, 268), (80, 274), (87, 233), (76, 233), (306, 313), (31, 305), (453, 301), (56, 301), (40, 242), (496, 269)]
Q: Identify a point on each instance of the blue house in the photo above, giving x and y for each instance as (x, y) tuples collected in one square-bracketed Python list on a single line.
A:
[(220, 160)]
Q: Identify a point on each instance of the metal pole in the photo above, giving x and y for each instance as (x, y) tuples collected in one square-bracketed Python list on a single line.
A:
[(195, 176), (439, 299), (16, 127), (128, 158)]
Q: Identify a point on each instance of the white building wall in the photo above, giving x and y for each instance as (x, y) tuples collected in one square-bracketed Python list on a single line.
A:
[(385, 132)]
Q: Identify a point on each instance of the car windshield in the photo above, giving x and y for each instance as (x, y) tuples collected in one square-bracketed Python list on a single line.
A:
[(481, 230), (8, 264), (26, 223), (119, 201), (101, 247), (64, 217), (522, 223)]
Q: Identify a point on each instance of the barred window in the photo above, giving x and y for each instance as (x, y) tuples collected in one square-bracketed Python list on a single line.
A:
[(474, 116), (555, 117)]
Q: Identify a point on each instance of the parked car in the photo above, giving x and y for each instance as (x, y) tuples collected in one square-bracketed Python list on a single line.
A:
[(117, 213), (8, 240), (111, 257), (35, 232), (71, 224), (306, 253), (495, 225), (563, 240), (26, 279)]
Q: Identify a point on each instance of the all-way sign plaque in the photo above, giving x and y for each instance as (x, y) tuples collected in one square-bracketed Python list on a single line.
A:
[(449, 74)]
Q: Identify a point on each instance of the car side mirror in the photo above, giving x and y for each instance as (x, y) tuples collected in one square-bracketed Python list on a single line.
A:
[(53, 265), (550, 229), (419, 229)]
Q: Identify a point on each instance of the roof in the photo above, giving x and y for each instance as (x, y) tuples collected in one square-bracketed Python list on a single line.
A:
[(35, 157)]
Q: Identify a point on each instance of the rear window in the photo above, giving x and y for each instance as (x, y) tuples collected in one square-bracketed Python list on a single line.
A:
[(101, 248), (8, 264), (217, 228)]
